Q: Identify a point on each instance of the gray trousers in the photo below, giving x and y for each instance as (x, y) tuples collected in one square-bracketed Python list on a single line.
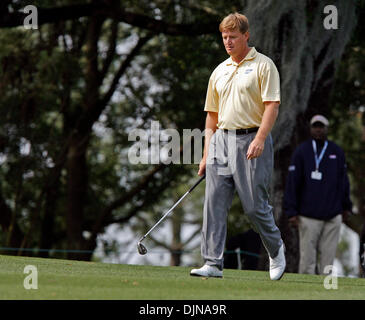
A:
[(228, 170), (318, 242)]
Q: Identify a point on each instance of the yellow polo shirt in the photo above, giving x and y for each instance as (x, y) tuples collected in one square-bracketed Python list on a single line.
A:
[(238, 91)]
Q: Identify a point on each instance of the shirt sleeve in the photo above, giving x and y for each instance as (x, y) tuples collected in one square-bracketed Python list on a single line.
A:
[(293, 185), (270, 82), (212, 98)]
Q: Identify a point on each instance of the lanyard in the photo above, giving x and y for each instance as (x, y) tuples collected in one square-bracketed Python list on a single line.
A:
[(316, 158)]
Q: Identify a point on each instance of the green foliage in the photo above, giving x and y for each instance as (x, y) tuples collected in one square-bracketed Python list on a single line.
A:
[(45, 82), (44, 89)]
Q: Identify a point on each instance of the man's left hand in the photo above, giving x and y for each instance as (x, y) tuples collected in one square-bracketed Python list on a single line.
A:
[(255, 148)]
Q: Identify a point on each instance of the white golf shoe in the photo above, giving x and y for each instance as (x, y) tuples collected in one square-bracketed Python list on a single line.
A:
[(278, 264), (207, 271)]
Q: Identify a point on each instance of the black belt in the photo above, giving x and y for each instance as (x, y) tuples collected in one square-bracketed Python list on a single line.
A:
[(243, 131)]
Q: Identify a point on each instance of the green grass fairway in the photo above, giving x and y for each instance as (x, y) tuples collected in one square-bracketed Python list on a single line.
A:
[(64, 279)]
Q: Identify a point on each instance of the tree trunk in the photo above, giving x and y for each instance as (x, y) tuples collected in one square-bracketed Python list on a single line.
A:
[(47, 222), (77, 173), (176, 246), (15, 235), (76, 195)]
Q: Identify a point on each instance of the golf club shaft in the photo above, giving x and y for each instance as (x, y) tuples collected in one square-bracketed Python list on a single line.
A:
[(173, 207)]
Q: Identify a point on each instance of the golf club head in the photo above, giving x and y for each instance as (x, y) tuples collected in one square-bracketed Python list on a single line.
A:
[(141, 248)]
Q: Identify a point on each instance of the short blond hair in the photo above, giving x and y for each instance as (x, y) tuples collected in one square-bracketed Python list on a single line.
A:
[(234, 21)]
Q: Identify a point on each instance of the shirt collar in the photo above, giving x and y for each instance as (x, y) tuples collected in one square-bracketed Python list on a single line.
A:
[(250, 56)]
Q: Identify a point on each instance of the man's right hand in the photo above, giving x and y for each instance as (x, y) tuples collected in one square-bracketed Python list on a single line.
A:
[(202, 166)]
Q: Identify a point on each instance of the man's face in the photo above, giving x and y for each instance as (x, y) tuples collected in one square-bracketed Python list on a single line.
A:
[(235, 42), (318, 131)]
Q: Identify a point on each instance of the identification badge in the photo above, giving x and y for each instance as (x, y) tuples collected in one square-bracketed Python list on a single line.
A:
[(316, 175)]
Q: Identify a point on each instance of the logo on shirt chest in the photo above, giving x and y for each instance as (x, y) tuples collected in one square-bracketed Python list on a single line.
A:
[(247, 71)]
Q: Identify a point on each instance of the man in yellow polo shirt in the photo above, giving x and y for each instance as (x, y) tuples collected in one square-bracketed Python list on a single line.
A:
[(242, 105)]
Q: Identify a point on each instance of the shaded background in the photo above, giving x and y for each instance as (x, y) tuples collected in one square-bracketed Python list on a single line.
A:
[(74, 88)]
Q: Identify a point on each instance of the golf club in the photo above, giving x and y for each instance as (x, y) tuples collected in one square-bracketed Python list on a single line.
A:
[(141, 248)]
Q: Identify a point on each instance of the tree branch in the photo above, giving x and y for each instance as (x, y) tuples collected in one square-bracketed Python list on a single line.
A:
[(48, 15), (72, 12), (92, 72), (159, 243), (106, 213), (160, 26), (99, 224), (111, 49), (124, 65), (192, 236)]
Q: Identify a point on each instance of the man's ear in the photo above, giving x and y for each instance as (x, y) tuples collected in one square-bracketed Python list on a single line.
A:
[(247, 35)]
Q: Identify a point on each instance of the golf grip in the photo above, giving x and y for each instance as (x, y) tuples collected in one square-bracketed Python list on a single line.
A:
[(196, 183)]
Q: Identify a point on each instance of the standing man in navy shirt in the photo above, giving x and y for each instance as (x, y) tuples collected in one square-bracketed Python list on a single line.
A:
[(317, 197)]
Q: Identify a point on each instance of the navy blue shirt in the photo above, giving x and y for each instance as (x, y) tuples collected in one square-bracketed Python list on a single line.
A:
[(320, 199)]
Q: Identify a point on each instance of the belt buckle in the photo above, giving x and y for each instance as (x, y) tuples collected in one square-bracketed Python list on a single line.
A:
[(243, 131)]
